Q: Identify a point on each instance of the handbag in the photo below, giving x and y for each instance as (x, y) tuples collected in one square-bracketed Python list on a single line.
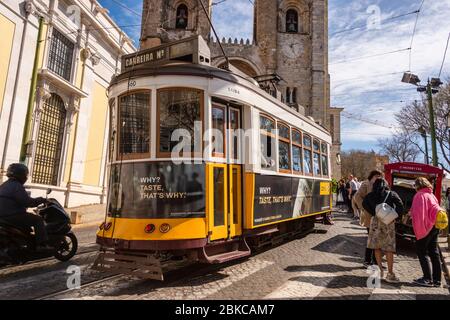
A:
[(385, 212), (340, 197), (441, 220)]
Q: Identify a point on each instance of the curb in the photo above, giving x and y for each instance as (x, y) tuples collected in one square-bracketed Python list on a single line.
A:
[(445, 256)]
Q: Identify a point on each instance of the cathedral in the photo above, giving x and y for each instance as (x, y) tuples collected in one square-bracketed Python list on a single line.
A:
[(289, 50)]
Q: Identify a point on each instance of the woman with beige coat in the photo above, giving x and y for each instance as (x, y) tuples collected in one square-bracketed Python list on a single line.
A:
[(365, 217)]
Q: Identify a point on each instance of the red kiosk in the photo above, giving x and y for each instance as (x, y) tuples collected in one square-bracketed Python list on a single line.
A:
[(401, 177)]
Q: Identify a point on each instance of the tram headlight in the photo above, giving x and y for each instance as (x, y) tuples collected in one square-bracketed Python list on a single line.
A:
[(150, 228), (164, 228), (107, 226), (102, 226)]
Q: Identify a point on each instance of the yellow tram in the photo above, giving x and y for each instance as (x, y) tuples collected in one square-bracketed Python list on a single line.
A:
[(204, 164)]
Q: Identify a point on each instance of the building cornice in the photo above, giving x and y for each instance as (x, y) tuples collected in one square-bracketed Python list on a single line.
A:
[(57, 81)]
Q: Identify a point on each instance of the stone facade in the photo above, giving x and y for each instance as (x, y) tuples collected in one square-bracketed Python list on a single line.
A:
[(290, 39)]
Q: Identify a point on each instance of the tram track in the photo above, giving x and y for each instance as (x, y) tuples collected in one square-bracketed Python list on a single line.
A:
[(193, 270), (41, 261)]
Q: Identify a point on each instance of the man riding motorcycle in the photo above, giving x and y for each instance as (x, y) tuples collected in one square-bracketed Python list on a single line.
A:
[(14, 201)]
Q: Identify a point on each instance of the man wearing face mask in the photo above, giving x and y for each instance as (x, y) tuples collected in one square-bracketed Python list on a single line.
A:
[(14, 201)]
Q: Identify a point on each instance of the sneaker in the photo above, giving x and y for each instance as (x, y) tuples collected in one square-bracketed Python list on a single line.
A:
[(423, 282), (367, 264), (437, 284), (392, 278)]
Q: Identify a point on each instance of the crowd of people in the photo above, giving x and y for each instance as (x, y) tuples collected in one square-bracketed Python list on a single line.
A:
[(366, 201)]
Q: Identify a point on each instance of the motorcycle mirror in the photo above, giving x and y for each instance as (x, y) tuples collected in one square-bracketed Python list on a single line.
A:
[(49, 191)]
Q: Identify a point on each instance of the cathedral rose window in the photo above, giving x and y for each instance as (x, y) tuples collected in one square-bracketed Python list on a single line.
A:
[(291, 21), (182, 17)]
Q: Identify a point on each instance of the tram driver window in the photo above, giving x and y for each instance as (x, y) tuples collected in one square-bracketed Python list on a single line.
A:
[(134, 125), (307, 155), (179, 108), (267, 141)]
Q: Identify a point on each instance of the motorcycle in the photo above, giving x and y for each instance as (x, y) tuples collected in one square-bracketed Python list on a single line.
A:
[(18, 246)]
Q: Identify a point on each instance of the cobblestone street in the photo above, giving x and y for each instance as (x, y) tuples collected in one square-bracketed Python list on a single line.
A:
[(326, 264)]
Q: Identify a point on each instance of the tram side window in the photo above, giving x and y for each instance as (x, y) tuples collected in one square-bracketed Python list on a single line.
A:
[(316, 159), (178, 109), (267, 141), (134, 111), (307, 155), (325, 170), (296, 151), (284, 144)]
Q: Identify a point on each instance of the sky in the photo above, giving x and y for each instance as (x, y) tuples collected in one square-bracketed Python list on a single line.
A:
[(366, 62)]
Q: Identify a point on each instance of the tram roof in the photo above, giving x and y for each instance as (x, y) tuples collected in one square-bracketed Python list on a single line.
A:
[(198, 70)]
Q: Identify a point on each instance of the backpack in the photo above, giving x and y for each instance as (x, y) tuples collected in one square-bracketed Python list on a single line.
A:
[(441, 220)]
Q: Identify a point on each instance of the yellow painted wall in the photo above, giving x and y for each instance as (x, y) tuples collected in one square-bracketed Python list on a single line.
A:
[(97, 127), (7, 28)]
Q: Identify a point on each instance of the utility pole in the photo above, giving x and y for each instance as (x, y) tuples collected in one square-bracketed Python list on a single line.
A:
[(432, 124), (423, 133), (431, 88)]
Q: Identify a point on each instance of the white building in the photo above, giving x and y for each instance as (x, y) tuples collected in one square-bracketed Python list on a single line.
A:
[(56, 60)]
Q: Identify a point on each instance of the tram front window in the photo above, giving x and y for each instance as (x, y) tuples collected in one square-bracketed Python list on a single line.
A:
[(157, 191), (178, 109), (134, 125)]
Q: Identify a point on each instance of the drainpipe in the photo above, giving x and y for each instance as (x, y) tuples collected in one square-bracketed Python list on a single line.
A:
[(32, 95), (13, 102)]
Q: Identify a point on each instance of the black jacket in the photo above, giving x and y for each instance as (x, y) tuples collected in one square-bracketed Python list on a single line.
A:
[(15, 200), (372, 200)]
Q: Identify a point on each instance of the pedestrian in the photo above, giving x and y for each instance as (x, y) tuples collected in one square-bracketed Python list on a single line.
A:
[(424, 210), (341, 195), (365, 217), (348, 198), (354, 188), (381, 236)]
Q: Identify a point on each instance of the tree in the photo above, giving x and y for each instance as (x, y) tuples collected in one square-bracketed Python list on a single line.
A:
[(416, 115), (401, 147), (359, 163)]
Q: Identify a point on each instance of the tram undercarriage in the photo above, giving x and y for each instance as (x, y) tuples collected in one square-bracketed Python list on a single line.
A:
[(116, 257)]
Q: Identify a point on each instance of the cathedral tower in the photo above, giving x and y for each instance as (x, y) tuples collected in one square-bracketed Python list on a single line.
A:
[(169, 20)]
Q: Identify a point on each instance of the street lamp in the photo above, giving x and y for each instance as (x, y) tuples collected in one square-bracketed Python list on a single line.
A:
[(423, 133), (431, 88)]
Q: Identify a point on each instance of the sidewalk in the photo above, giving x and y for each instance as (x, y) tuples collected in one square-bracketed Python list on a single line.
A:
[(88, 215)]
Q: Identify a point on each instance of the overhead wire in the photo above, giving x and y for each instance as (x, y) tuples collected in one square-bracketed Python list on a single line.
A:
[(414, 33), (365, 25), (445, 55)]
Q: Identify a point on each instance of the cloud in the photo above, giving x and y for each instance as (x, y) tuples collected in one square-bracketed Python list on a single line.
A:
[(367, 88), (362, 85)]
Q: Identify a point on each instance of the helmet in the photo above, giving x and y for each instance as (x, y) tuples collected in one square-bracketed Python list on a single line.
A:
[(18, 171)]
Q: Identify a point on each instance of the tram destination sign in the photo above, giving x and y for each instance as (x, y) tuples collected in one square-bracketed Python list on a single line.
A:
[(144, 57), (193, 50)]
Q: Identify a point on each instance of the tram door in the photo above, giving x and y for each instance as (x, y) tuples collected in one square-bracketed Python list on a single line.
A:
[(225, 179)]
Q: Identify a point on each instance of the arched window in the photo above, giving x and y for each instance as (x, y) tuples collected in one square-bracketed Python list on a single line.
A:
[(182, 17), (292, 21), (49, 141)]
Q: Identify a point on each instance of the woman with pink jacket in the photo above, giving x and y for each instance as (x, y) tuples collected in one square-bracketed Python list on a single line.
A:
[(424, 211)]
